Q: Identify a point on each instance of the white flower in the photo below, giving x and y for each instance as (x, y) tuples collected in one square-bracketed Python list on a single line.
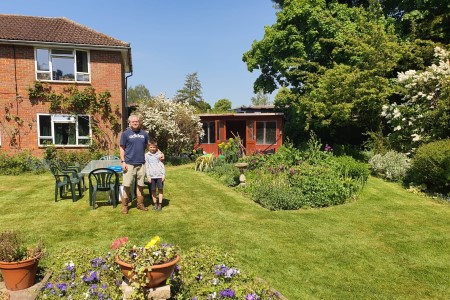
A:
[(398, 127), (415, 137)]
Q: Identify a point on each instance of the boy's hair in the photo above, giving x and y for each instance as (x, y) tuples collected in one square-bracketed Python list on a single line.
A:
[(153, 143)]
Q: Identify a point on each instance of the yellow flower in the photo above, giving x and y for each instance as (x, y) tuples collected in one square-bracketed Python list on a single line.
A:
[(154, 241), (231, 140)]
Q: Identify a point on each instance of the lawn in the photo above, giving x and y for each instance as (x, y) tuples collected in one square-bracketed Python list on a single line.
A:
[(389, 244)]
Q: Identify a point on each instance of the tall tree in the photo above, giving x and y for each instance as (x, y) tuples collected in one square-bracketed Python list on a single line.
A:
[(260, 99), (191, 92), (337, 60), (139, 92)]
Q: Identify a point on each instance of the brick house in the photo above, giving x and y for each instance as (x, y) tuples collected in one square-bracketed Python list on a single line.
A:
[(59, 53), (259, 128)]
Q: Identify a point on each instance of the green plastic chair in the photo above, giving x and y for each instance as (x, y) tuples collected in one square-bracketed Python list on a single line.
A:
[(65, 181), (104, 180)]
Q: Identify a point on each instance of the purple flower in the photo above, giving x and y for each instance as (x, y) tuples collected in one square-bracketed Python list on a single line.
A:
[(198, 277), (70, 267), (328, 148), (252, 296), (61, 286), (93, 277), (227, 293), (97, 262)]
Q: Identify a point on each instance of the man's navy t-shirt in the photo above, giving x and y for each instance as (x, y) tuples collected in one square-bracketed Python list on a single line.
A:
[(135, 144)]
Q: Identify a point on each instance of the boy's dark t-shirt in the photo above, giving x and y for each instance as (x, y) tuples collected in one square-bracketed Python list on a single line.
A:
[(135, 144)]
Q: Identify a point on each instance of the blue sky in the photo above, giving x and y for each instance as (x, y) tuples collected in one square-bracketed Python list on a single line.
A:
[(173, 38)]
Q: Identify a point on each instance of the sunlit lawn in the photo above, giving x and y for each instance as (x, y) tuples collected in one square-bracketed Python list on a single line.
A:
[(390, 244)]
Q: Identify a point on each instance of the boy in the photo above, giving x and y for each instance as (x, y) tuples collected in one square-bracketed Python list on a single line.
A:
[(156, 173)]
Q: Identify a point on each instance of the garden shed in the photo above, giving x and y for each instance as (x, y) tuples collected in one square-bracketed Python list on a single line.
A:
[(259, 128)]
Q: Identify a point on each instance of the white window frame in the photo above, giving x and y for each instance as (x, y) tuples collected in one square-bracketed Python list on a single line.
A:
[(67, 119), (263, 127), (55, 55), (207, 132)]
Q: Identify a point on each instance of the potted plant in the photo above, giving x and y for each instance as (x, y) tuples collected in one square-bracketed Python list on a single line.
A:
[(18, 263), (146, 266)]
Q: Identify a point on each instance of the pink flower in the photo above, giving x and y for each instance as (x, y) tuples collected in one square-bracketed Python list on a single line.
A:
[(117, 243)]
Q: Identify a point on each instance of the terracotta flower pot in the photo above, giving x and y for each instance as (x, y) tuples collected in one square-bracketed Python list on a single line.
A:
[(19, 275), (156, 276)]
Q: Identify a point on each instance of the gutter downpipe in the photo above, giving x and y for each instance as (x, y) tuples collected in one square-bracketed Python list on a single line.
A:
[(125, 115)]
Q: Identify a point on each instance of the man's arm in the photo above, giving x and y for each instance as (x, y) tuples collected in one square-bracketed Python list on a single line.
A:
[(122, 158)]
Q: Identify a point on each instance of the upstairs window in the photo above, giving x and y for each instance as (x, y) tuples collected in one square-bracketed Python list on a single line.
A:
[(62, 65), (266, 132), (210, 133), (64, 130)]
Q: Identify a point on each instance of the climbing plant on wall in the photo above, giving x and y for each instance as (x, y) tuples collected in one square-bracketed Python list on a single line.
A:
[(74, 101)]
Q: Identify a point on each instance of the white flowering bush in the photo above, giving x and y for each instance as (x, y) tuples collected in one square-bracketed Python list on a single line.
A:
[(424, 114), (391, 166), (174, 125)]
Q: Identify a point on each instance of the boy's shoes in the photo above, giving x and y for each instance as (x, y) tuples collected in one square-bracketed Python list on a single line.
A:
[(159, 207), (155, 207)]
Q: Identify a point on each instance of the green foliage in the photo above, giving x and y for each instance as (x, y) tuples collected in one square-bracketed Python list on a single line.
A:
[(137, 93), (391, 166), (348, 166), (231, 149), (225, 172), (207, 273), (74, 101), (204, 163), (82, 273), (222, 105), (430, 167), (19, 163), (191, 93)]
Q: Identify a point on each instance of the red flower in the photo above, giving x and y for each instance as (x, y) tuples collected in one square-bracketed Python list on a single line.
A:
[(117, 243)]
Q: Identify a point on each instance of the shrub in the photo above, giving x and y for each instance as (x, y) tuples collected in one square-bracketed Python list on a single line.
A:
[(319, 185), (204, 163), (348, 166), (20, 163), (226, 173), (391, 166), (431, 167), (274, 192), (208, 273)]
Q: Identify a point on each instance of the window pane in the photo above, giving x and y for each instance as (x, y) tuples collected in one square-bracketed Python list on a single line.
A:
[(205, 129), (260, 132), (45, 128), (82, 77), (65, 134), (43, 76), (62, 52), (271, 132), (42, 60), (83, 126), (62, 68), (82, 62), (212, 132)]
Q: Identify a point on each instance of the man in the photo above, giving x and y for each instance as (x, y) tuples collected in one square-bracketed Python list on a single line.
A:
[(133, 144)]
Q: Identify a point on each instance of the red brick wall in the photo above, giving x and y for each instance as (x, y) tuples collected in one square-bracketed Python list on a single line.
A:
[(19, 74)]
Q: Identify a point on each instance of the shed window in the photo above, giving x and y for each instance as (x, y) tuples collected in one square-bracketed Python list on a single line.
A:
[(266, 132), (210, 133)]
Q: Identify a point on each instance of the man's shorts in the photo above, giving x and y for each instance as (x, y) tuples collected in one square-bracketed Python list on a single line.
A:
[(156, 183), (134, 172)]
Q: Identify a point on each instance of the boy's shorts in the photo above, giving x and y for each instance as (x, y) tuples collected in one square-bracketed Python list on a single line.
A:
[(133, 171), (156, 183)]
